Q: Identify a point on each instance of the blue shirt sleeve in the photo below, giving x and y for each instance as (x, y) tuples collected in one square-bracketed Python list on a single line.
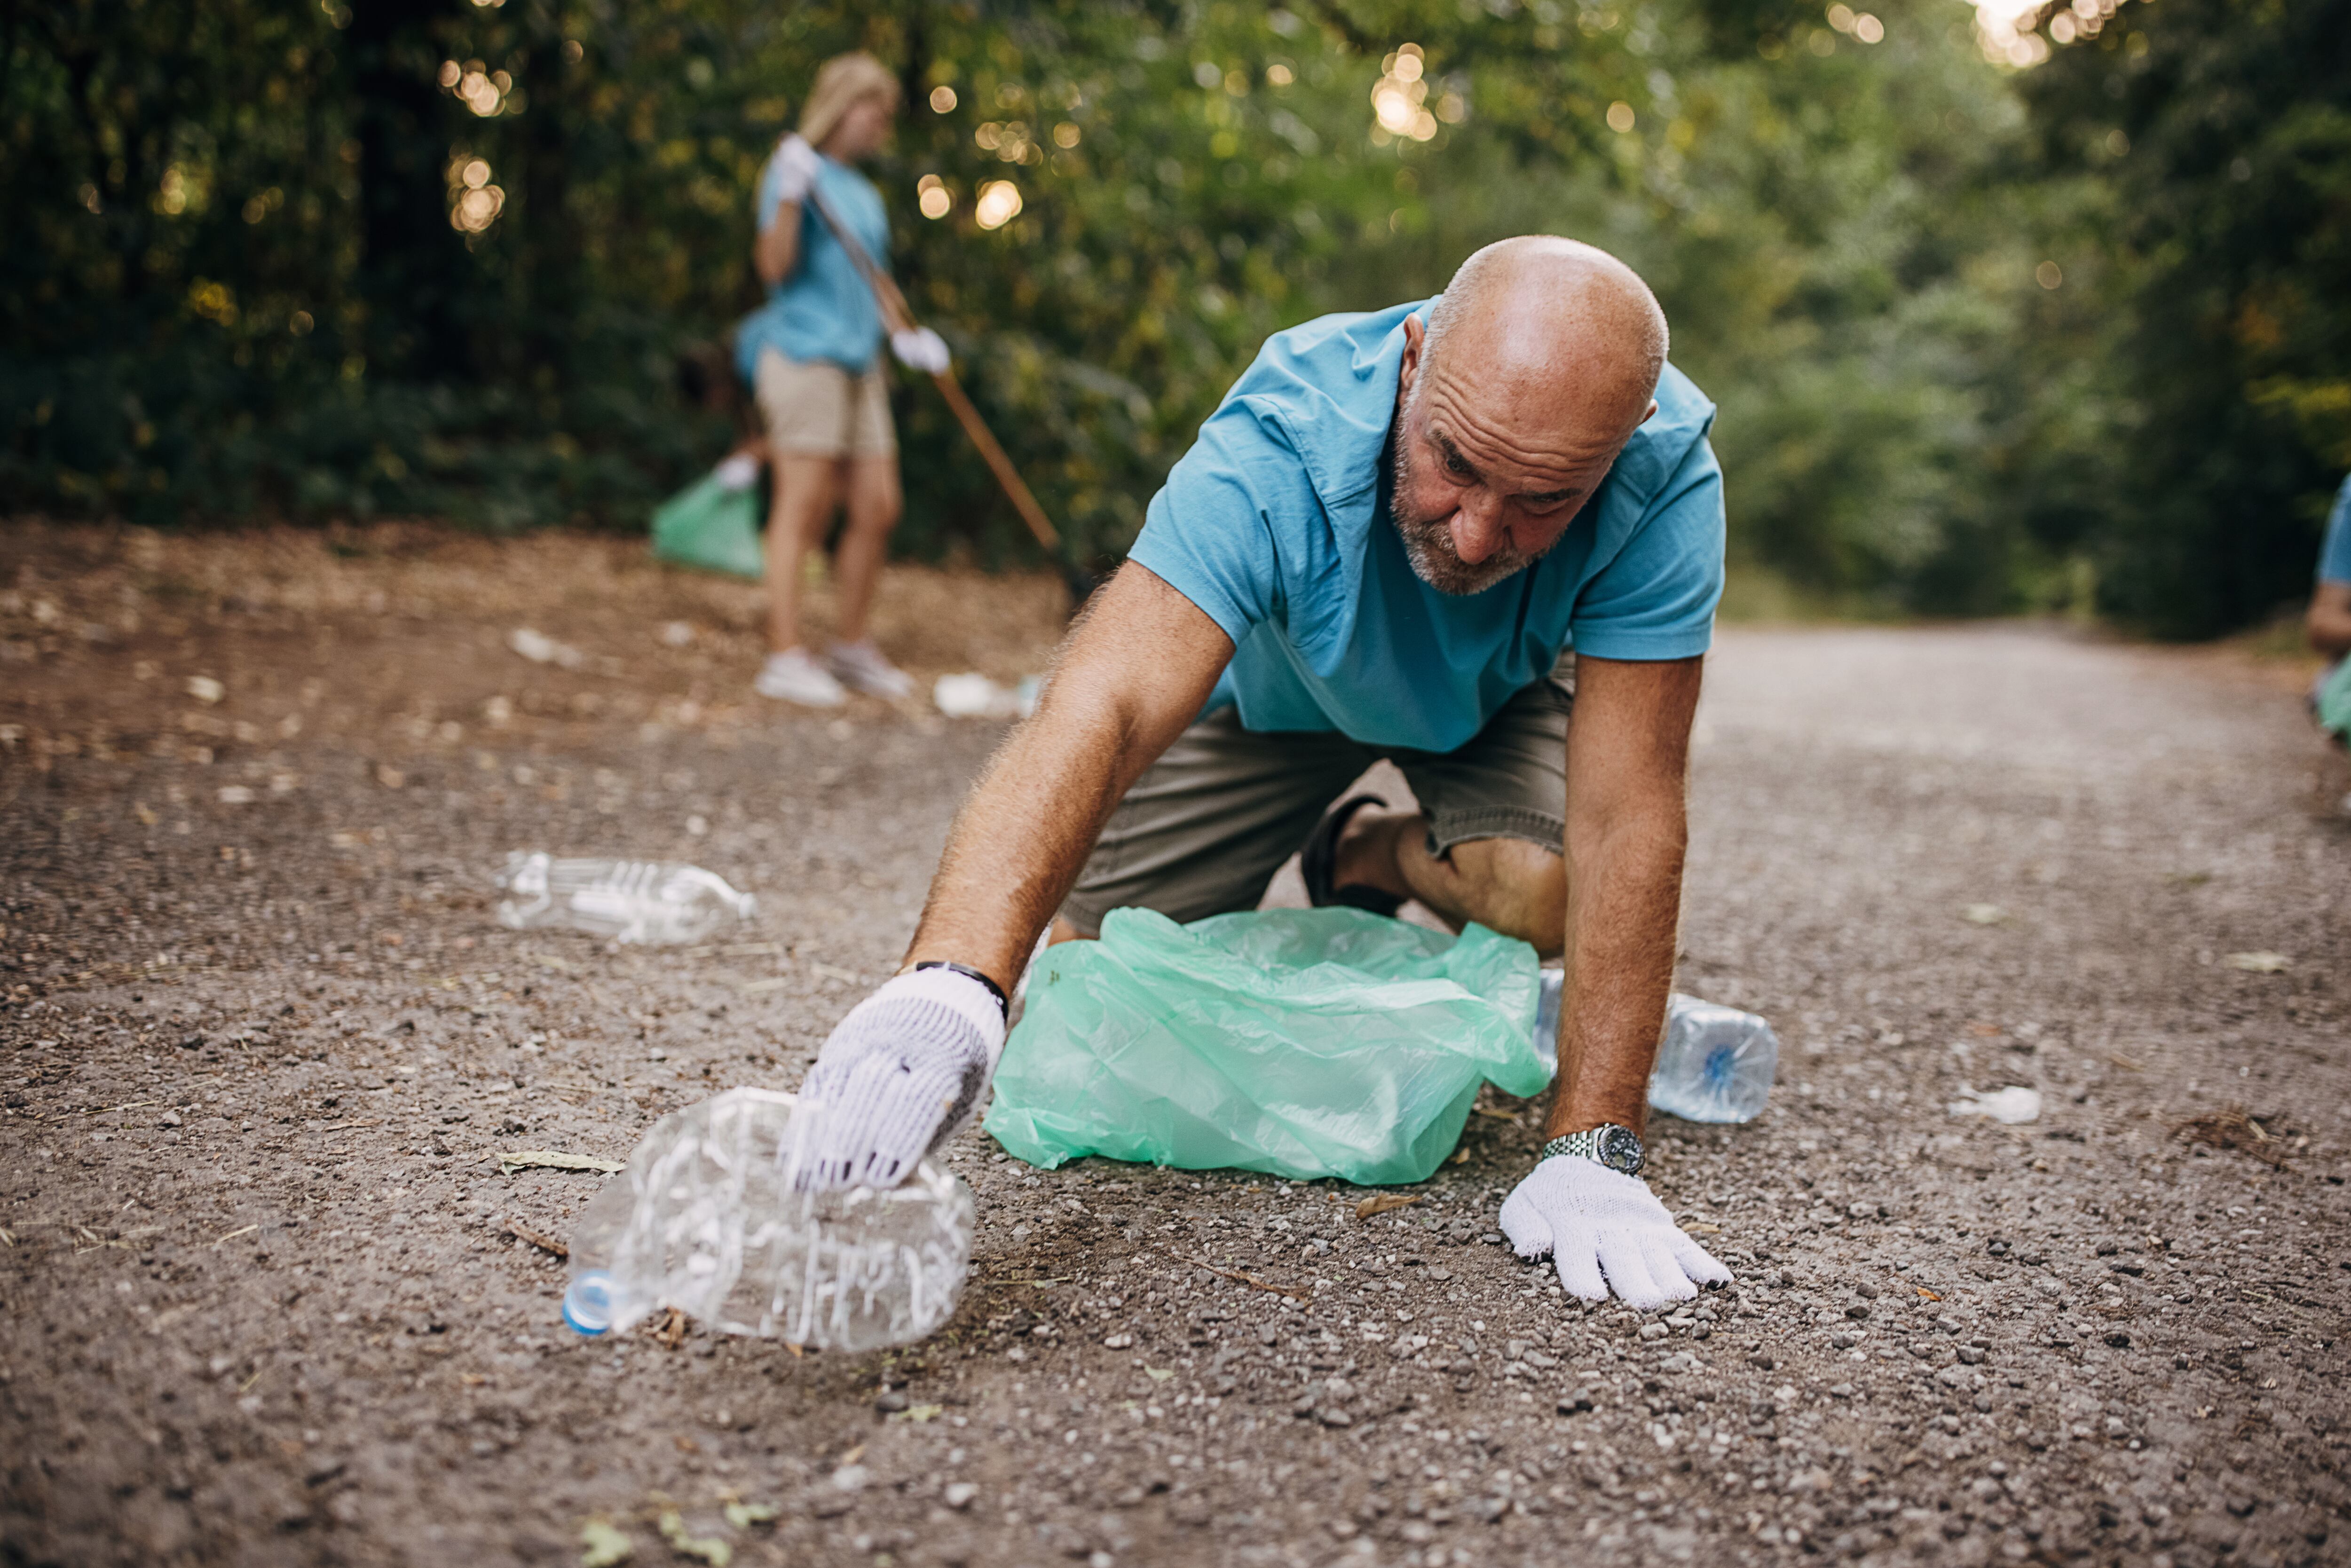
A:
[(2334, 553), (1208, 534), (1655, 598)]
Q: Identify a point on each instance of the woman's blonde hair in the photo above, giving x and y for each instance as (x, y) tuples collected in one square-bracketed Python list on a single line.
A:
[(842, 80)]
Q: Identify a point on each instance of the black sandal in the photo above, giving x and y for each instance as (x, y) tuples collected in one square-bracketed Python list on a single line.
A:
[(1318, 862)]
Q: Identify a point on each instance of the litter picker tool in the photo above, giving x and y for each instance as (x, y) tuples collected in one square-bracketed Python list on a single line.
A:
[(1023, 500)]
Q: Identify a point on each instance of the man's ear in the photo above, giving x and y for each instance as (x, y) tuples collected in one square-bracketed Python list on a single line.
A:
[(1415, 333)]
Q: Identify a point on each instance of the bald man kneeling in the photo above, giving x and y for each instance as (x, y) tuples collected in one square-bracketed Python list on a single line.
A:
[(1480, 536)]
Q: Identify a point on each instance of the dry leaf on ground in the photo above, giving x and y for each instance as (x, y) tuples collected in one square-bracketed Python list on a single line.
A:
[(603, 1546), (553, 1159), (2232, 1128), (712, 1550)]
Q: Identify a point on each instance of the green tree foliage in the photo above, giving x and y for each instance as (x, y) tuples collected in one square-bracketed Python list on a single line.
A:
[(320, 257), (2210, 395)]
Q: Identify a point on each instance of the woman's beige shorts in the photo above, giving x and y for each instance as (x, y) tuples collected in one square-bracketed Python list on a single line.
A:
[(817, 409)]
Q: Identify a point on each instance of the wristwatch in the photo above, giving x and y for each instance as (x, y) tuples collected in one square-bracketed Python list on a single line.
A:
[(1618, 1148)]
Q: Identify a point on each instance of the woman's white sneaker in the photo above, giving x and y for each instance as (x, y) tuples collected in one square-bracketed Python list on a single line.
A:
[(793, 676), (862, 667)]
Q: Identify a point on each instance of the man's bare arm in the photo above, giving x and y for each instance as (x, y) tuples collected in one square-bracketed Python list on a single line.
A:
[(1627, 828), (2329, 621), (1129, 677)]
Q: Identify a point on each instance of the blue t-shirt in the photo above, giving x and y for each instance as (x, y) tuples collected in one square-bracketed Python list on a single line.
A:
[(1275, 524), (2334, 552), (824, 309)]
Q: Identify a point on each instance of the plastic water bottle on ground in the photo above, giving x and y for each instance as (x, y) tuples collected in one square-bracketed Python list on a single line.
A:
[(1715, 1064), (706, 1217), (650, 902)]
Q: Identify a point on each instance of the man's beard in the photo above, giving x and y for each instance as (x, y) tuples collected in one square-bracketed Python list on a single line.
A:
[(1428, 542)]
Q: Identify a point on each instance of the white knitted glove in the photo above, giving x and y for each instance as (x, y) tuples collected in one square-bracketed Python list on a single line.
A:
[(797, 166), (920, 348), (1594, 1221), (898, 1075)]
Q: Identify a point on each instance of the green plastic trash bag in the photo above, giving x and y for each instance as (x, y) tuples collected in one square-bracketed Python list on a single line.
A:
[(2333, 700), (708, 526), (1303, 1042)]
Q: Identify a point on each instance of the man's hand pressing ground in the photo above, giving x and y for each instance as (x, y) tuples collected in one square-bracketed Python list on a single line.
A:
[(1602, 1228), (898, 1075)]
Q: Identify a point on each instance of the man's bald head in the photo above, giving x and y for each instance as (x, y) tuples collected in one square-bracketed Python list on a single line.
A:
[(1544, 315), (1539, 361)]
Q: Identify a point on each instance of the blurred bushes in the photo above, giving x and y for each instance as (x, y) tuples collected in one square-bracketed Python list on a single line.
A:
[(323, 259)]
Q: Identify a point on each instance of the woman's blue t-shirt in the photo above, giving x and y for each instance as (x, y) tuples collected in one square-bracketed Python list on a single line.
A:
[(1275, 525), (2335, 550), (823, 310)]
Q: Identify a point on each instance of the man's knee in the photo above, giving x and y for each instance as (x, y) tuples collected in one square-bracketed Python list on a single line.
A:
[(1516, 888)]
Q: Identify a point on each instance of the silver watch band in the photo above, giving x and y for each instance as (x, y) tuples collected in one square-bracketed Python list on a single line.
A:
[(1581, 1145), (1608, 1146)]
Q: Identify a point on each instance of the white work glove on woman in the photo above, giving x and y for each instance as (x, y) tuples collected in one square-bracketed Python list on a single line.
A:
[(797, 167), (899, 1074), (1594, 1222), (920, 348)]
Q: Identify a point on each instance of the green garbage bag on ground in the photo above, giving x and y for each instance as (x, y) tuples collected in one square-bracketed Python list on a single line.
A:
[(708, 526), (1303, 1042), (2332, 701)]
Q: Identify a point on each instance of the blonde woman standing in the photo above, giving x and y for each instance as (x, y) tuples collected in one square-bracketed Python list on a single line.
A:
[(813, 357)]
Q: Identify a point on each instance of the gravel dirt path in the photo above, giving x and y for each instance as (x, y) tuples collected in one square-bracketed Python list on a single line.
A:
[(263, 1298)]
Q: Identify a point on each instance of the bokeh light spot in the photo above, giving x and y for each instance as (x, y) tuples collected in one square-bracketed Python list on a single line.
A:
[(999, 205), (943, 99)]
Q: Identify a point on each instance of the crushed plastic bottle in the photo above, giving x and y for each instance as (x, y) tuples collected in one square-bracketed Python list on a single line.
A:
[(705, 1218), (1716, 1063), (650, 902)]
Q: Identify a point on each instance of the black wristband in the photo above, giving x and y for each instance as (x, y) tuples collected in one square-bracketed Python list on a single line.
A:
[(1003, 1002)]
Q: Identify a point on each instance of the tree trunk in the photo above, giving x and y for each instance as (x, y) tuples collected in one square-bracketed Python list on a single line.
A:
[(415, 277)]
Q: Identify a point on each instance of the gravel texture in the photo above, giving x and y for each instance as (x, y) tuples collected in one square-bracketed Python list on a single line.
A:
[(262, 1297)]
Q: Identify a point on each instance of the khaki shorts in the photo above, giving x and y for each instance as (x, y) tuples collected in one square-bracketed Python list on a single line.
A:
[(816, 409), (1207, 826)]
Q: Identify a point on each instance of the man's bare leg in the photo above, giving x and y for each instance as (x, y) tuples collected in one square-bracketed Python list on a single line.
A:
[(1504, 885), (1509, 885)]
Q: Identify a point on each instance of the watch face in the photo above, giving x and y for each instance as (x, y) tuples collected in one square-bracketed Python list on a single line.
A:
[(1620, 1150)]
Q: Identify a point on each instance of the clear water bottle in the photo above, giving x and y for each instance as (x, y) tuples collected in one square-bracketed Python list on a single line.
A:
[(651, 901), (1715, 1064), (1547, 1016), (707, 1218)]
